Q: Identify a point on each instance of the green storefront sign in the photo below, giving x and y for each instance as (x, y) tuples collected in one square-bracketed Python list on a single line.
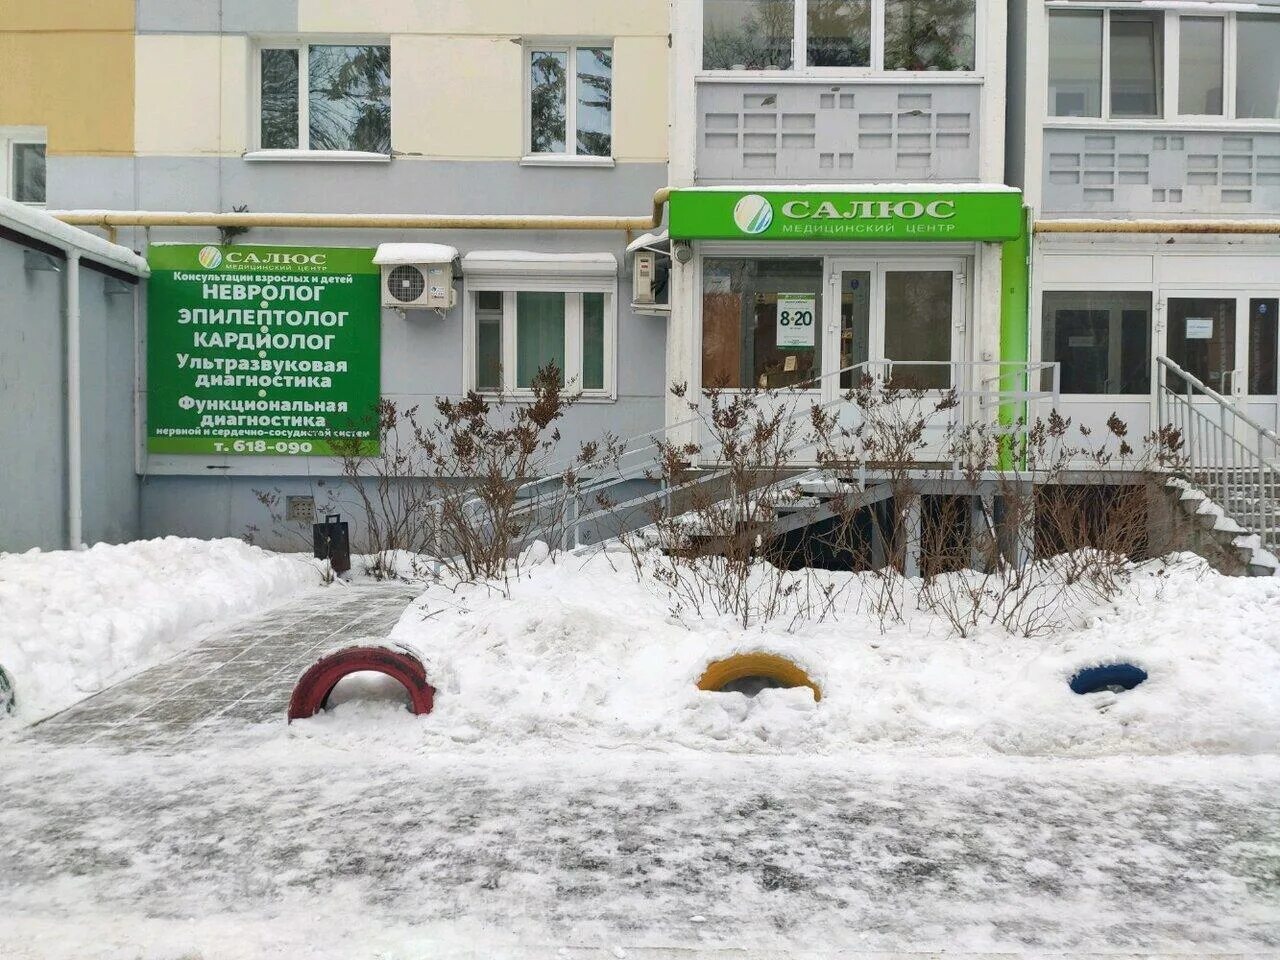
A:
[(713, 214), (261, 350)]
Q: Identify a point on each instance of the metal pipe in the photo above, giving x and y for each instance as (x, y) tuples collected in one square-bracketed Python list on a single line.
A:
[(75, 509), (1159, 226), (113, 219)]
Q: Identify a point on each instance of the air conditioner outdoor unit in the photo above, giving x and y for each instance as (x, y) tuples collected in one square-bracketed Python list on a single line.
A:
[(417, 276)]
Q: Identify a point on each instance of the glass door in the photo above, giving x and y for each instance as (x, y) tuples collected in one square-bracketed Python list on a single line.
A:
[(1261, 356), (901, 319), (920, 323), (1201, 338)]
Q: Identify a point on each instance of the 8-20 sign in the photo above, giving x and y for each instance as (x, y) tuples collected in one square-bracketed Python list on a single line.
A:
[(797, 320)]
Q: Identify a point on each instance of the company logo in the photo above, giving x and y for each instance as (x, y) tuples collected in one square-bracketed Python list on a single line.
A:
[(210, 257), (869, 210), (753, 214), (276, 259)]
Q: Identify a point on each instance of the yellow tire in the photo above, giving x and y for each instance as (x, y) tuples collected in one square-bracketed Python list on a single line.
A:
[(721, 672)]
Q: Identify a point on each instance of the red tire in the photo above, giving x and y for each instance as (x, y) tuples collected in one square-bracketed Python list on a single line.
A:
[(312, 692)]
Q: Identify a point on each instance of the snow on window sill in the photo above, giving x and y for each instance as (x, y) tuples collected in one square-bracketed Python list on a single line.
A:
[(564, 160), (322, 156)]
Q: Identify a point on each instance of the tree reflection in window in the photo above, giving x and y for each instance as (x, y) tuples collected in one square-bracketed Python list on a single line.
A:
[(350, 98), (929, 34), (548, 100), (747, 34)]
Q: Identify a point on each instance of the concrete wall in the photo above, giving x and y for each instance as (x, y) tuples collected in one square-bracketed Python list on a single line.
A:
[(68, 66), (33, 464), (33, 480), (458, 138)]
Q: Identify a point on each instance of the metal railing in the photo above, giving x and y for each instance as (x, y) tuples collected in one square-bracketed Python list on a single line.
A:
[(588, 504), (1230, 456)]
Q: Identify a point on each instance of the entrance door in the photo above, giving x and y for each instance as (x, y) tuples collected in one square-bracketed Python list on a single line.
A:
[(1262, 354), (1201, 338), (1231, 344), (903, 319)]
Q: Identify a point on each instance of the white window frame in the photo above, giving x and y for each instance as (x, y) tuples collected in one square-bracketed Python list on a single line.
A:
[(11, 137), (569, 157), (573, 332), (800, 52), (302, 45), (1171, 53)]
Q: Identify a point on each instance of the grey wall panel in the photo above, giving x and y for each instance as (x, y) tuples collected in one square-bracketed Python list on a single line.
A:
[(222, 16), (1122, 173), (110, 494), (99, 182), (405, 185), (211, 506), (422, 355), (32, 405), (763, 131)]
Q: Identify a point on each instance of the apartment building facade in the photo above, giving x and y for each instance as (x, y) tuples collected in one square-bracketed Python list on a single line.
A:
[(843, 163), (460, 109), (1160, 112)]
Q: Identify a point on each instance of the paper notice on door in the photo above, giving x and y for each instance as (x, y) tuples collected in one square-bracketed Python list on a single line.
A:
[(796, 320), (789, 363), (1199, 328)]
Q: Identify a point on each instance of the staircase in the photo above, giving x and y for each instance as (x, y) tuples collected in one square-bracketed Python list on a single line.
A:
[(1230, 477)]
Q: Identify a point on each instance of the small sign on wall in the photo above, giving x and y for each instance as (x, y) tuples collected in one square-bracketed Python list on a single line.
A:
[(796, 320), (1199, 328)]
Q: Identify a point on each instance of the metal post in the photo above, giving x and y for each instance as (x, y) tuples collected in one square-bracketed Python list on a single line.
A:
[(911, 532)]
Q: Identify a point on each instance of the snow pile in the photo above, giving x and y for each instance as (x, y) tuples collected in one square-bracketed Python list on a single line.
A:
[(581, 652), (72, 623)]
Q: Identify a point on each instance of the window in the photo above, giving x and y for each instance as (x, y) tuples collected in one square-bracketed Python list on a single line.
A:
[(519, 332), (1102, 340), (1137, 64), (1075, 66), (929, 36), (839, 33), (1132, 76), (571, 101), (22, 164), (325, 97), (888, 35), (1258, 67), (745, 303), (1200, 64), (1227, 65)]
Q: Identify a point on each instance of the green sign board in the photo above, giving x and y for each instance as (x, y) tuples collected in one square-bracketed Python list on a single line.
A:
[(261, 350), (715, 214)]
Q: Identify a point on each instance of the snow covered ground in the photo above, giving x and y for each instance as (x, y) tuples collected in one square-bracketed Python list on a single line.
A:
[(582, 652), (573, 795), (270, 846), (73, 622)]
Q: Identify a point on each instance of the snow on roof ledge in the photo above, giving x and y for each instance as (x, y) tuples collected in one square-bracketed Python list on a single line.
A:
[(40, 225), (647, 240), (529, 261), (396, 254)]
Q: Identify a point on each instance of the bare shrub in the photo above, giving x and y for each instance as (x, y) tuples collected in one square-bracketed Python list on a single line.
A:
[(708, 533), (472, 488)]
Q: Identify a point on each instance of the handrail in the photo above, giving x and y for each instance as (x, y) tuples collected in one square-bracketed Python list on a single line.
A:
[(867, 366), (1214, 395), (1236, 473), (645, 469)]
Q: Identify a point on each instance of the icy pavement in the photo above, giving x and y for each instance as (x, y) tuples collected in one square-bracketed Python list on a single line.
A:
[(243, 673), (280, 844)]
